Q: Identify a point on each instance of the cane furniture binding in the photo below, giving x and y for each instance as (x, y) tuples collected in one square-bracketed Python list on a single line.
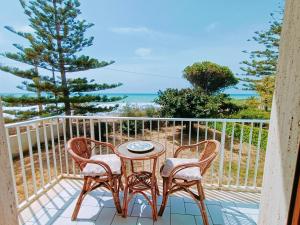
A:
[(98, 170), (182, 174)]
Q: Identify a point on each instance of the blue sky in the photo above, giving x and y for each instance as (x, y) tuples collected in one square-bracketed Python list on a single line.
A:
[(154, 39)]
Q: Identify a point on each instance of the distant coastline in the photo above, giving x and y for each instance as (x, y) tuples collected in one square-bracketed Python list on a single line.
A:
[(135, 100), (145, 98)]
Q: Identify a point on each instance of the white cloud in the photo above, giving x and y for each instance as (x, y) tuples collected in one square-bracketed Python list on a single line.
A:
[(210, 27), (143, 52)]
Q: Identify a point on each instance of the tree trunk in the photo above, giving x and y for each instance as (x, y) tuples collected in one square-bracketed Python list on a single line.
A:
[(40, 107), (62, 64), (55, 94), (66, 93)]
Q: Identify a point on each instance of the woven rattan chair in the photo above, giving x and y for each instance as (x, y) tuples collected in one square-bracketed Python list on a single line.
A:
[(98, 170), (180, 174)]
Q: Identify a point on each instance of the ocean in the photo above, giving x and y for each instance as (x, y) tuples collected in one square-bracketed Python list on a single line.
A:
[(138, 100), (148, 98), (139, 97)]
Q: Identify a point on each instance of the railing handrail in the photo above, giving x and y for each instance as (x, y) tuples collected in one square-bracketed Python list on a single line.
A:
[(46, 138), (169, 119), (28, 122), (24, 123)]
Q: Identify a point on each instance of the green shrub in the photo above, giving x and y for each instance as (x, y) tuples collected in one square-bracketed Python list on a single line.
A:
[(251, 113), (246, 133), (194, 103)]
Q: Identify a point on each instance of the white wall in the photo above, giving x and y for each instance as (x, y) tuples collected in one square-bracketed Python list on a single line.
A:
[(24, 139), (8, 208), (284, 133)]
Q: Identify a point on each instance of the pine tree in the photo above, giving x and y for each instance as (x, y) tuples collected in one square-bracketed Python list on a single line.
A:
[(263, 62), (60, 36), (34, 81)]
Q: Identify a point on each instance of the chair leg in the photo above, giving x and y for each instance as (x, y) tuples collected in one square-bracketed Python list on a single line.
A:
[(121, 185), (115, 194), (154, 202), (125, 201), (165, 197), (202, 204), (80, 199), (157, 189)]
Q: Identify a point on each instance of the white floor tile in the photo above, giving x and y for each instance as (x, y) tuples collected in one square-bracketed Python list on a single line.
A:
[(177, 205), (90, 200), (67, 212), (142, 210), (145, 221), (199, 220), (165, 219), (86, 223), (106, 216), (217, 214), (58, 202), (119, 220), (49, 217), (179, 219), (88, 212), (192, 208), (107, 201), (63, 221), (238, 219)]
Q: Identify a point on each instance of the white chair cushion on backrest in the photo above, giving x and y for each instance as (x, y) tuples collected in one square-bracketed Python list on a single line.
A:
[(192, 173), (112, 160)]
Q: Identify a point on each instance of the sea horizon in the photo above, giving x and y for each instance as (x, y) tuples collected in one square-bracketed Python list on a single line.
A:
[(137, 97)]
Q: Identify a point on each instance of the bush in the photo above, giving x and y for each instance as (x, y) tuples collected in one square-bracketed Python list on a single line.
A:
[(130, 111), (251, 113), (194, 103)]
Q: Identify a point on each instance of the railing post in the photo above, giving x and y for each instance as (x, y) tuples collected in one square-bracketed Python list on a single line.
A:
[(8, 207), (92, 135), (221, 162), (92, 129)]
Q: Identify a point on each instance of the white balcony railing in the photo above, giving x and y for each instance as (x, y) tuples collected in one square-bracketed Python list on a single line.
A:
[(39, 158)]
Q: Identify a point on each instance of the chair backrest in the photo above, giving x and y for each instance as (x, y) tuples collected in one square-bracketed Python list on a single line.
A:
[(81, 147), (211, 150)]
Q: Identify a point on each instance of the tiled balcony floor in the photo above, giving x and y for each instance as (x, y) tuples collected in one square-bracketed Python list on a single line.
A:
[(56, 207)]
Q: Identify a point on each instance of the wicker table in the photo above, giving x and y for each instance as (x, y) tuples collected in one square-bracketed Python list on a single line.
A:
[(140, 181)]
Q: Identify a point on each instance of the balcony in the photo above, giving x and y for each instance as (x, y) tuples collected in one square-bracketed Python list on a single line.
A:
[(47, 183)]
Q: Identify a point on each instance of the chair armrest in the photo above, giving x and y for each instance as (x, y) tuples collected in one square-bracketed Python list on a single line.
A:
[(184, 147), (105, 144), (80, 160)]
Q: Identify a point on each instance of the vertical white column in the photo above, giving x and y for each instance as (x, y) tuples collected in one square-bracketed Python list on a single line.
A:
[(8, 208), (284, 132), (221, 163)]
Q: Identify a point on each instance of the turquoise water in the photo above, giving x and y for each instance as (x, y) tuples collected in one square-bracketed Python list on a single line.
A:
[(139, 97)]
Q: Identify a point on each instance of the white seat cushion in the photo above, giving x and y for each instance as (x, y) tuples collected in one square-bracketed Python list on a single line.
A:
[(192, 173), (112, 160)]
